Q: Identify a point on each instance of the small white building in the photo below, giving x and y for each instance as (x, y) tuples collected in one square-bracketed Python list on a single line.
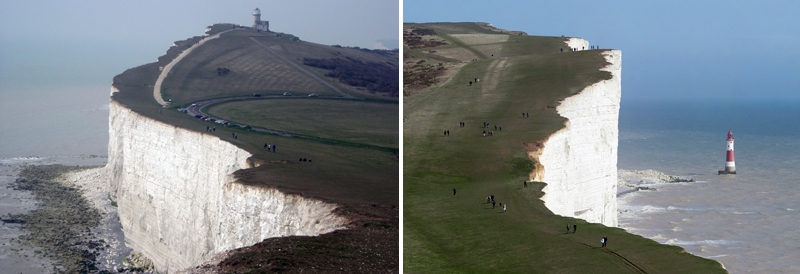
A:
[(257, 23)]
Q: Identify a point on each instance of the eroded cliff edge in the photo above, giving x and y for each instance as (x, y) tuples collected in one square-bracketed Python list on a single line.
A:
[(179, 203), (579, 162)]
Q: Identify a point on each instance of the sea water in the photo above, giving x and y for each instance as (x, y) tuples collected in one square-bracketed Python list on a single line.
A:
[(750, 222), (44, 126)]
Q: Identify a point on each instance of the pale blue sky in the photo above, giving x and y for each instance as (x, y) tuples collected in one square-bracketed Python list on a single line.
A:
[(48, 43), (58, 58), (686, 49)]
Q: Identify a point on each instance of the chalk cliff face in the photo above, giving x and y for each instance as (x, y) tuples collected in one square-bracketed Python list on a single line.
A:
[(178, 202), (579, 162)]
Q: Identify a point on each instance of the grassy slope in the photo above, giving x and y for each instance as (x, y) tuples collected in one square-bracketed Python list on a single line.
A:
[(361, 178), (256, 70), (461, 233), (329, 176)]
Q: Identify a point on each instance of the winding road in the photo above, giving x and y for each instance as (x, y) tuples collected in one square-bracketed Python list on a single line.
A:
[(165, 70), (196, 108)]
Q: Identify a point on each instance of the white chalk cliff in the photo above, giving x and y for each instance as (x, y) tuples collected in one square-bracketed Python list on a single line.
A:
[(179, 203), (579, 162)]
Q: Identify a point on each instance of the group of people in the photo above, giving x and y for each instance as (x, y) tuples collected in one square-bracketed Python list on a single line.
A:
[(582, 48), (526, 114), (272, 148), (603, 241), (447, 132), (474, 81), (211, 129), (490, 199), (574, 228)]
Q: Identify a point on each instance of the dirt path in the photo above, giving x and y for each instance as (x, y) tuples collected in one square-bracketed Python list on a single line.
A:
[(168, 67)]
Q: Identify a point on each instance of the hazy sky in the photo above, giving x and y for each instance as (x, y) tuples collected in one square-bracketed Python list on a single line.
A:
[(58, 58), (687, 49), (86, 43)]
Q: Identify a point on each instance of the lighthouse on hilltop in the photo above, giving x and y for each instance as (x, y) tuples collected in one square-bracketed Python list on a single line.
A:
[(257, 23), (730, 165)]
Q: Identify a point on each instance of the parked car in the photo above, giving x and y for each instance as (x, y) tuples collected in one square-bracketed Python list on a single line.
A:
[(313, 95), (287, 94), (256, 95)]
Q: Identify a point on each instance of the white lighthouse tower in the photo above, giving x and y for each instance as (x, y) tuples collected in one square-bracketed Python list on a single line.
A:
[(257, 23), (730, 165)]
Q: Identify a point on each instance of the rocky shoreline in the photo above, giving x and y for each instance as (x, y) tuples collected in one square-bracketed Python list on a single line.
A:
[(644, 180), (75, 224), (61, 226)]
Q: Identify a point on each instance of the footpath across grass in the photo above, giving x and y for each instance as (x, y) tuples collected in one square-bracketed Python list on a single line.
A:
[(447, 232)]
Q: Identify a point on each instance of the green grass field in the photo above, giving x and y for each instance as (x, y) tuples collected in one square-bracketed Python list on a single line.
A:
[(446, 233), (352, 172), (364, 122)]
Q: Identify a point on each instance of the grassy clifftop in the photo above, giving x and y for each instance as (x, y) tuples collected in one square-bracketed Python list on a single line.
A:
[(459, 233), (350, 142)]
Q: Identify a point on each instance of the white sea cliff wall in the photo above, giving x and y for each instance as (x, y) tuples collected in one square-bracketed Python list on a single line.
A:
[(579, 162), (179, 204)]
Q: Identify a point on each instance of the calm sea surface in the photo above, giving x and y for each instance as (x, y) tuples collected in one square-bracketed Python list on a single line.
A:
[(750, 222), (44, 126)]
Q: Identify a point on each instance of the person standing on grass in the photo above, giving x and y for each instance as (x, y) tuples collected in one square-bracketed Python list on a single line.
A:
[(504, 208), (567, 228), (454, 191), (524, 183), (492, 204), (603, 241), (574, 228)]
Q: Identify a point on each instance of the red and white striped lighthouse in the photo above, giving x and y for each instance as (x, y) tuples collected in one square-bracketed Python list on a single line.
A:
[(730, 165)]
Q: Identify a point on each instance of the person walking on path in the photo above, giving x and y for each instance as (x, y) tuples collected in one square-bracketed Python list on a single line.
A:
[(574, 228)]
